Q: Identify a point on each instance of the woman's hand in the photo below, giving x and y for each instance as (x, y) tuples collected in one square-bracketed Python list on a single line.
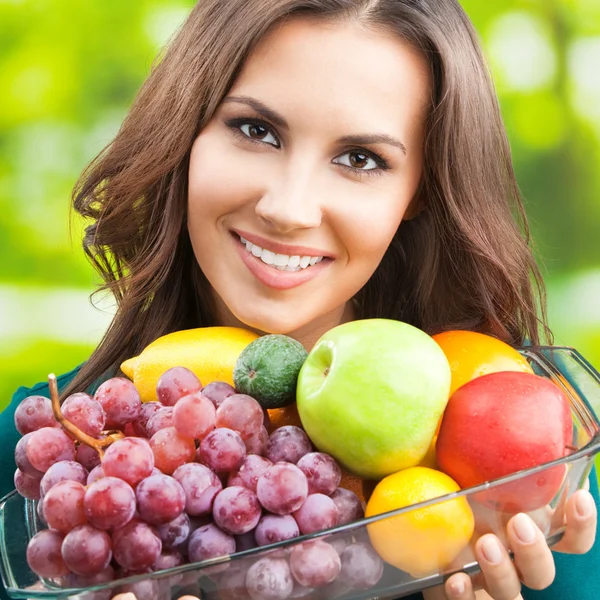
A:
[(533, 565)]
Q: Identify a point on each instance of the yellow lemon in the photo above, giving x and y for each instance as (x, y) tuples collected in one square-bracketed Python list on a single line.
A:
[(425, 540), (210, 352)]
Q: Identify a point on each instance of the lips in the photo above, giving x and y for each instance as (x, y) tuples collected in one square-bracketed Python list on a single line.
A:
[(272, 275)]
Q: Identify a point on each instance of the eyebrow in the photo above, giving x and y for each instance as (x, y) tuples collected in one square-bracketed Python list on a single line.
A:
[(277, 119)]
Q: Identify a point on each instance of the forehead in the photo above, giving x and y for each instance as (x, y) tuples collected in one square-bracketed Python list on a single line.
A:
[(337, 68)]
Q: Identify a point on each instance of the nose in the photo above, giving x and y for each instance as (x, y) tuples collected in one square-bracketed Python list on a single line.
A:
[(291, 202)]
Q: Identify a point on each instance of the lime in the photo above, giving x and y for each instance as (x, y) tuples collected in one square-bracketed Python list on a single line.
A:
[(267, 369)]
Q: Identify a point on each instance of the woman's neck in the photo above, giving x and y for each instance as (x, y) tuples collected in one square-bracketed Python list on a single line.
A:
[(308, 334)]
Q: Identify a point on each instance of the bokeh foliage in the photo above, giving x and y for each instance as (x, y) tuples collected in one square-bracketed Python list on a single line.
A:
[(69, 69)]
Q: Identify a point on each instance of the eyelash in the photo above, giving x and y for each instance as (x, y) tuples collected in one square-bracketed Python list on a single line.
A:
[(382, 164)]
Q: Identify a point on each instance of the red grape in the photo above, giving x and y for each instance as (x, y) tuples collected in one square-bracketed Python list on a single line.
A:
[(175, 532), (209, 541), (63, 506), (175, 384), (269, 579), (194, 416), (236, 510), (251, 469), (223, 450), (318, 512), (148, 589), (136, 546), (84, 412), (26, 485), (349, 506), (87, 456), (217, 392), (109, 503), (21, 457), (47, 446), (86, 550), (33, 413), (171, 449), (314, 563), (160, 499), (288, 443), (282, 488), (148, 410), (276, 528), (129, 459), (168, 559), (161, 419), (200, 485), (120, 400), (241, 413), (362, 567), (322, 472), (44, 554), (95, 474), (257, 442), (65, 470)]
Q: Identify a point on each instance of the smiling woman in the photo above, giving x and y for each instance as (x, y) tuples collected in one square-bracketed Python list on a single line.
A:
[(307, 167), (291, 165)]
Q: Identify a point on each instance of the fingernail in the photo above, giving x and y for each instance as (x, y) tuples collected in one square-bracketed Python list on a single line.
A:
[(491, 550), (584, 505), (524, 528), (457, 588)]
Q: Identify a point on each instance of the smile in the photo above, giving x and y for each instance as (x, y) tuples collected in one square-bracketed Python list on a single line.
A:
[(283, 262)]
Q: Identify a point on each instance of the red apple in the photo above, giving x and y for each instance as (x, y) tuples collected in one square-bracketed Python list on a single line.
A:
[(499, 424)]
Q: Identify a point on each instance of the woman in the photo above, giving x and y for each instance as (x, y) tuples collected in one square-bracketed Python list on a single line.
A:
[(291, 165)]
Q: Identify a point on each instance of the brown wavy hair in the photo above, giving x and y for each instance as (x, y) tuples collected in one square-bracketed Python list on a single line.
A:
[(463, 262)]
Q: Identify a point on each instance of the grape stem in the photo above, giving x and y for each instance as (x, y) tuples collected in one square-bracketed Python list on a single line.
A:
[(73, 430)]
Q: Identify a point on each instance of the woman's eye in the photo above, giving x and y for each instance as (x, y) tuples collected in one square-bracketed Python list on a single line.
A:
[(357, 160), (259, 133)]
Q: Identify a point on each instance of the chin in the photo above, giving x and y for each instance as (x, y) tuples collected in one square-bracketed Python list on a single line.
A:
[(273, 322)]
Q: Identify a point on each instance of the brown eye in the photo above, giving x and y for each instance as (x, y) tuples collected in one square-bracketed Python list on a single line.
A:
[(257, 132), (358, 160)]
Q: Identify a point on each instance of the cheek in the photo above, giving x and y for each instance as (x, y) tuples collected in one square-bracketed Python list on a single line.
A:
[(368, 229), (218, 177)]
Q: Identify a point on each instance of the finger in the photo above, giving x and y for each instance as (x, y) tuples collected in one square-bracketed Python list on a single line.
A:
[(580, 532), (189, 598), (532, 556), (500, 575), (125, 596), (459, 587)]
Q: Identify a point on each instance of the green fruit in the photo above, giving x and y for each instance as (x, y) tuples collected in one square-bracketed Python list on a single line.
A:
[(371, 393), (267, 369)]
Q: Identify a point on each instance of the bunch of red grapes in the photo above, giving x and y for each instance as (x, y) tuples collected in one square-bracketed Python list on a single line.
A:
[(196, 477)]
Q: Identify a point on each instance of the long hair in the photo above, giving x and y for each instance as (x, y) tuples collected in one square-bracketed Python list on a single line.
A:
[(464, 261)]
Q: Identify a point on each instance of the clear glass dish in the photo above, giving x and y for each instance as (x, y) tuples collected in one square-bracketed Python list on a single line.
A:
[(224, 577)]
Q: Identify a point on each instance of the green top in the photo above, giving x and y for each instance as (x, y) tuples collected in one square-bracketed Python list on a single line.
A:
[(577, 576)]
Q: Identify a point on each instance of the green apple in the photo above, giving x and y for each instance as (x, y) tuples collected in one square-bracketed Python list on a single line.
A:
[(371, 393)]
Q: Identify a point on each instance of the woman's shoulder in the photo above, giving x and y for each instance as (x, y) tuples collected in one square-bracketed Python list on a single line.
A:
[(9, 436)]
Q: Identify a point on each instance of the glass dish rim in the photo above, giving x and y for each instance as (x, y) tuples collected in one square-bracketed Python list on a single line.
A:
[(591, 448)]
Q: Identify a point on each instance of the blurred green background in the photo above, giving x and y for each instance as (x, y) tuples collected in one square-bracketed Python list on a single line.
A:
[(69, 69)]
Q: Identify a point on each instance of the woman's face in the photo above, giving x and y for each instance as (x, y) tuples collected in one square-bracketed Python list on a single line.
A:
[(300, 180)]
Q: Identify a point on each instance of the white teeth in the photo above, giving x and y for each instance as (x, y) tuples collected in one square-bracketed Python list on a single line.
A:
[(267, 256), (282, 262)]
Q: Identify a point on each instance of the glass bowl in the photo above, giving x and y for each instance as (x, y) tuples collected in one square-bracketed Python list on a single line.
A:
[(224, 577)]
